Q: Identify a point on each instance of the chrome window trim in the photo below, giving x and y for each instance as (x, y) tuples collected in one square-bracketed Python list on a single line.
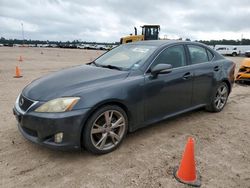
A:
[(145, 73)]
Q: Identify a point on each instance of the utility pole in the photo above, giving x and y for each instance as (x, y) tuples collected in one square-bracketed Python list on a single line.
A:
[(22, 33)]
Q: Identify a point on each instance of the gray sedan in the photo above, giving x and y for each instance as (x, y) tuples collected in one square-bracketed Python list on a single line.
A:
[(134, 85)]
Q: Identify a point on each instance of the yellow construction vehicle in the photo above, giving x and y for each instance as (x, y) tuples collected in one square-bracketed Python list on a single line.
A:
[(149, 32)]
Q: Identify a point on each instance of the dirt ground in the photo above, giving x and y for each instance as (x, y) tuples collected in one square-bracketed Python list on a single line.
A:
[(145, 159)]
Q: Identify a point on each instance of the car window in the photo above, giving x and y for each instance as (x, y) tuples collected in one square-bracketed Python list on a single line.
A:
[(126, 56), (221, 49), (210, 55), (174, 56), (198, 54)]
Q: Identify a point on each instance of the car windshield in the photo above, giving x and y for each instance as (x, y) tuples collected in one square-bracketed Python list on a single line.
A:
[(126, 56)]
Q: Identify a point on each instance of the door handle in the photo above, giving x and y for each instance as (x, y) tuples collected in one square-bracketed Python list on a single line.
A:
[(187, 76), (216, 68)]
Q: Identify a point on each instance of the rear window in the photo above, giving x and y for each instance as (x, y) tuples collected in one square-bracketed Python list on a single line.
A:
[(198, 54)]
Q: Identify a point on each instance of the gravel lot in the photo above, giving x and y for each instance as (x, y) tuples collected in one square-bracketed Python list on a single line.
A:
[(145, 159)]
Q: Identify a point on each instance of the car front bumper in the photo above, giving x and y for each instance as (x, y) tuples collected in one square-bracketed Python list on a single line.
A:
[(41, 128)]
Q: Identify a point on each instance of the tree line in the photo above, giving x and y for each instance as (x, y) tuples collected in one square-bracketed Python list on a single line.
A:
[(10, 42), (226, 42)]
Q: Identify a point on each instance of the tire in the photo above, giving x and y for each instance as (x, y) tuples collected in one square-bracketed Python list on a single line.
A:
[(219, 98), (234, 54), (105, 130)]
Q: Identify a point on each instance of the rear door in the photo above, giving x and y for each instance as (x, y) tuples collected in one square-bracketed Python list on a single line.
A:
[(205, 71)]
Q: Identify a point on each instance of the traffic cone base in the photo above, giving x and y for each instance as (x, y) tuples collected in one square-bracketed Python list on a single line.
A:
[(17, 76), (196, 183)]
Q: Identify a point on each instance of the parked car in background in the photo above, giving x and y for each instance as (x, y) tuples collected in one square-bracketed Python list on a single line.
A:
[(32, 45), (247, 53), (93, 47), (86, 46), (53, 45), (82, 46), (244, 72), (228, 51), (42, 45), (102, 47), (134, 85)]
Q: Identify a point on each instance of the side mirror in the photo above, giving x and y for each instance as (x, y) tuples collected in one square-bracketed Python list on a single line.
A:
[(161, 69)]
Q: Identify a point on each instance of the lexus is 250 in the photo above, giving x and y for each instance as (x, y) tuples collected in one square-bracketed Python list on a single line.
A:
[(94, 106)]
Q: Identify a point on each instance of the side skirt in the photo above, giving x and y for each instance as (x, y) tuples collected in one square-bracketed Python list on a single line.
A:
[(145, 124)]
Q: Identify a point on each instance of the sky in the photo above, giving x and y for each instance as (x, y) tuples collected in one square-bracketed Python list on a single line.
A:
[(109, 20)]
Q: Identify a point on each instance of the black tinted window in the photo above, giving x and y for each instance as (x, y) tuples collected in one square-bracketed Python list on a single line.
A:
[(221, 49), (198, 54), (174, 56)]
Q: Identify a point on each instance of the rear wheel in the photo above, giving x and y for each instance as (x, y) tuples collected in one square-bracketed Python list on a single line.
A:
[(105, 130), (219, 98)]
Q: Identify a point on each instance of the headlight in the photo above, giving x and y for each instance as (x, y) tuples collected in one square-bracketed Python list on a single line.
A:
[(58, 105)]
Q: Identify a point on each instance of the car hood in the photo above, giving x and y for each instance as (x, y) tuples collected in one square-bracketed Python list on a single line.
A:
[(71, 81)]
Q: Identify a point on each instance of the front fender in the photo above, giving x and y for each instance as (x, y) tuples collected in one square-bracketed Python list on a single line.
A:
[(127, 93)]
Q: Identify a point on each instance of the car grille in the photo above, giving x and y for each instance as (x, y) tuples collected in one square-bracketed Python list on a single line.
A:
[(24, 103)]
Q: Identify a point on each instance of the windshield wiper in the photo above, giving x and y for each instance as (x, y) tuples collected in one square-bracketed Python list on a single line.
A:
[(93, 63), (111, 67), (105, 66)]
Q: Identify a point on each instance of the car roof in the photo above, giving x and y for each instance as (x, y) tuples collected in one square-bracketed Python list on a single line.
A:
[(160, 42), (155, 42)]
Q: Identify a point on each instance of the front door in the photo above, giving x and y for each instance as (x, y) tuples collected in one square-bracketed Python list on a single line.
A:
[(168, 93)]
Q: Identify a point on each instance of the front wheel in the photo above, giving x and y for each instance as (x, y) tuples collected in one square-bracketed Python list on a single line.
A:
[(219, 98), (105, 130)]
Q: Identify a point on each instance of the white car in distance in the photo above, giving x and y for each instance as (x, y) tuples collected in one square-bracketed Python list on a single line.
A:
[(228, 51)]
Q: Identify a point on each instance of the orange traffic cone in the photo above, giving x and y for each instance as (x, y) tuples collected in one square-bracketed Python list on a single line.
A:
[(186, 173), (18, 73), (20, 58)]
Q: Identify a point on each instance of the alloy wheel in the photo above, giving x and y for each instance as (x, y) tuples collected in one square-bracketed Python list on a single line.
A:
[(108, 130), (221, 97)]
